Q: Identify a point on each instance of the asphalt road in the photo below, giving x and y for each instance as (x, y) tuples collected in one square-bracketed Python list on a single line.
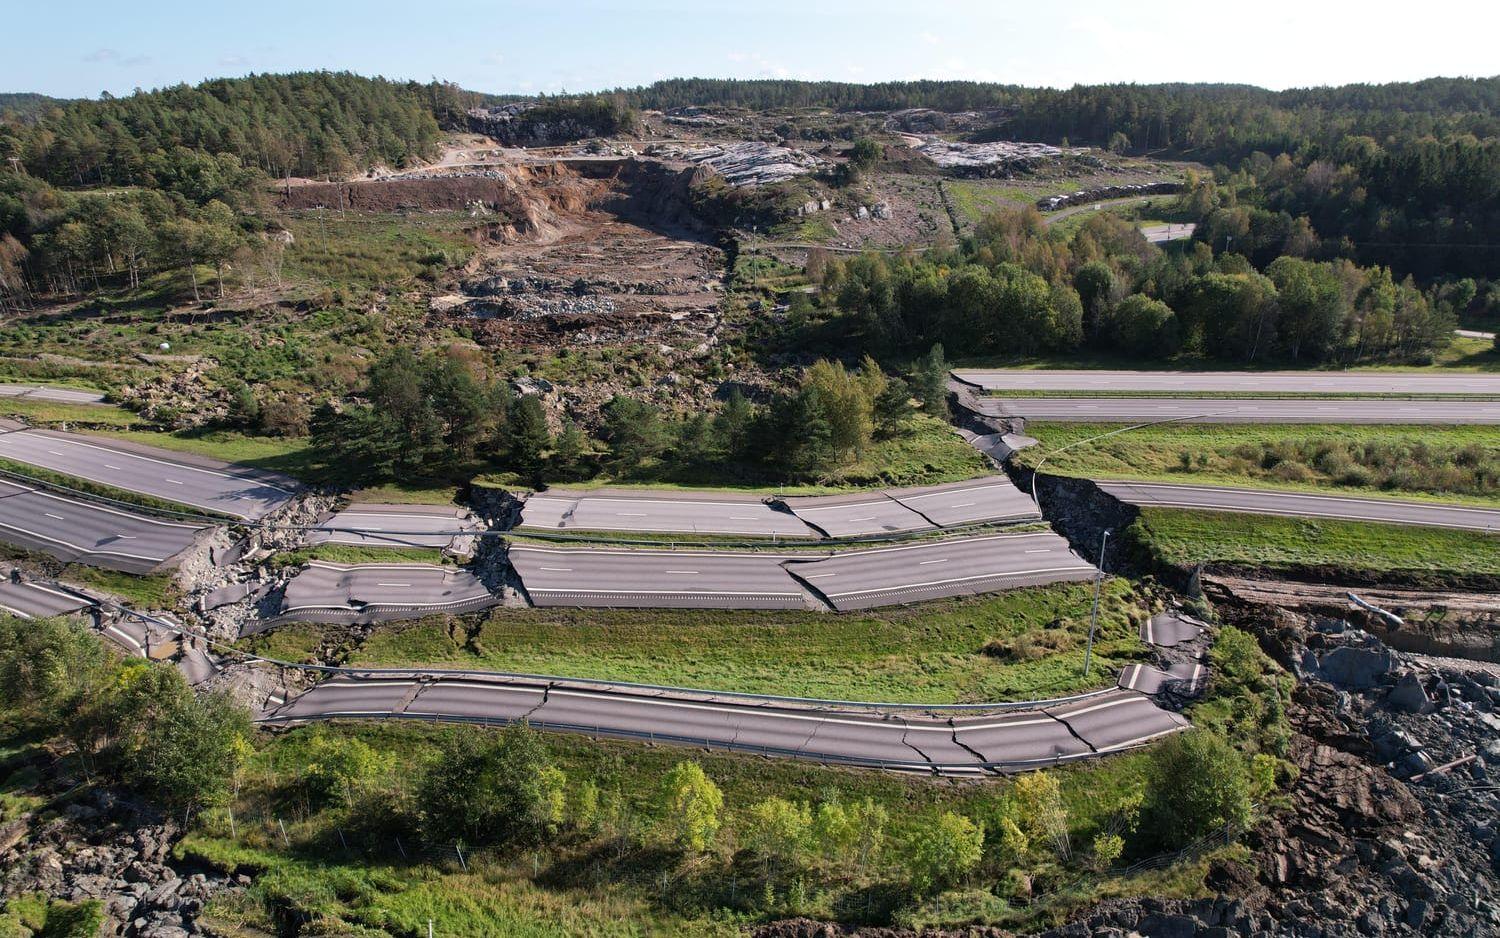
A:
[(861, 515), (664, 512), (175, 477), (958, 567), (1241, 410), (675, 579), (977, 501), (917, 742), (41, 392), (329, 592), (1264, 382), (1160, 234), (73, 530), (374, 525), (1294, 504), (35, 601)]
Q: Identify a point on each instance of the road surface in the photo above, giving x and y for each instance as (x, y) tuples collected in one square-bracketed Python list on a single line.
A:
[(661, 512), (73, 530), (1242, 410), (1160, 234), (958, 567), (674, 579), (977, 501), (42, 392), (36, 601), (330, 592), (1295, 504), (376, 525), (1263, 382), (195, 481), (863, 515), (918, 742)]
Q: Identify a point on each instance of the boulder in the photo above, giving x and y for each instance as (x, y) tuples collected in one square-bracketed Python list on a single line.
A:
[(1357, 668), (1409, 696)]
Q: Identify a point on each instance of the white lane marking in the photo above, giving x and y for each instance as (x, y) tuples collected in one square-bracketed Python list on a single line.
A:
[(923, 563), (13, 611), (871, 518), (393, 584), (126, 637), (163, 462), (684, 572), (630, 514), (126, 537), (173, 481), (115, 468), (54, 452), (559, 569), (962, 505), (748, 710), (635, 592), (1106, 705), (51, 515), (1040, 550), (818, 576), (960, 579)]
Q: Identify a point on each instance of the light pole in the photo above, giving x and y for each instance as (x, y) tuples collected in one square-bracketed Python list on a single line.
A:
[(1088, 651)]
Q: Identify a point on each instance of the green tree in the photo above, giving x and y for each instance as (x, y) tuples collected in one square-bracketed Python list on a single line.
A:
[(1145, 327), (340, 768), (634, 431), (188, 755), (1197, 784), (569, 452), (930, 382), (688, 806), (487, 790), (779, 831), (529, 438), (940, 852)]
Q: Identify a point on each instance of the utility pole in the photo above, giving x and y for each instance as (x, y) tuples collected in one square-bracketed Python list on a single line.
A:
[(1088, 651)]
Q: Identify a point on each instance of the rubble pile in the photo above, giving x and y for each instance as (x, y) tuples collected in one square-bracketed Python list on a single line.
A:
[(990, 159), (749, 163), (1100, 193), (106, 847)]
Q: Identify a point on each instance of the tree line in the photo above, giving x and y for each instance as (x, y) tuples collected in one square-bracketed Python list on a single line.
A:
[(430, 415), (1015, 288)]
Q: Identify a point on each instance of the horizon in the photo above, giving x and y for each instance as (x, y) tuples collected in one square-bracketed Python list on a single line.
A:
[(514, 49)]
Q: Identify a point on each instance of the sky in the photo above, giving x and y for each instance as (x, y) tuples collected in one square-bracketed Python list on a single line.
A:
[(82, 47)]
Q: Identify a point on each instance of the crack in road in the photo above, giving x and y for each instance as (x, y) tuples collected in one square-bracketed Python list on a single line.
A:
[(1074, 732), (965, 746), (905, 730)]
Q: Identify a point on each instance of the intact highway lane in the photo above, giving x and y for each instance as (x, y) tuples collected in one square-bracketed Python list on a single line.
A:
[(1284, 382), (903, 740), (73, 530), (42, 392), (196, 481), (1240, 410), (863, 579), (1302, 504), (660, 512), (674, 579)]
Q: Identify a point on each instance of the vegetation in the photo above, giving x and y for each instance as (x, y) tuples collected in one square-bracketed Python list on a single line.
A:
[(133, 722), (1017, 287), (1454, 463), (1432, 556), (1019, 644)]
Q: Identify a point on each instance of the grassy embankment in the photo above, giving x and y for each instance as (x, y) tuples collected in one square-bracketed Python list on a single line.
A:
[(1450, 464), (1021, 644), (1418, 555)]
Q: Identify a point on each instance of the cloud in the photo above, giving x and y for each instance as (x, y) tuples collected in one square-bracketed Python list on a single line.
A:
[(930, 38), (112, 56)]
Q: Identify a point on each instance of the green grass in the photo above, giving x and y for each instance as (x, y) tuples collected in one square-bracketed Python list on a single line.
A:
[(156, 591), (298, 642), (590, 886), (377, 249), (1449, 464), (292, 455), (358, 553), (402, 493), (47, 413), (931, 653), (1424, 555)]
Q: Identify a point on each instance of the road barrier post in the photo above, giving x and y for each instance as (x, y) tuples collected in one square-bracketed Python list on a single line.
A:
[(1088, 651)]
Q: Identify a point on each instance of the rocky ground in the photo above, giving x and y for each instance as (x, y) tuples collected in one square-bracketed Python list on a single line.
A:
[(106, 847), (1392, 826)]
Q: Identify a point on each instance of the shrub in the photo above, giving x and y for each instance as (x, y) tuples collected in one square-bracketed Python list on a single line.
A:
[(1197, 785)]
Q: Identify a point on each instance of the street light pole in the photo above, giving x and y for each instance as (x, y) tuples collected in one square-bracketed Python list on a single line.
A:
[(1088, 652)]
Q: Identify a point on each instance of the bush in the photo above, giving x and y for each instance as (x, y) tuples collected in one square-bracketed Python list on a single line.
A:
[(1197, 784), (942, 851)]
